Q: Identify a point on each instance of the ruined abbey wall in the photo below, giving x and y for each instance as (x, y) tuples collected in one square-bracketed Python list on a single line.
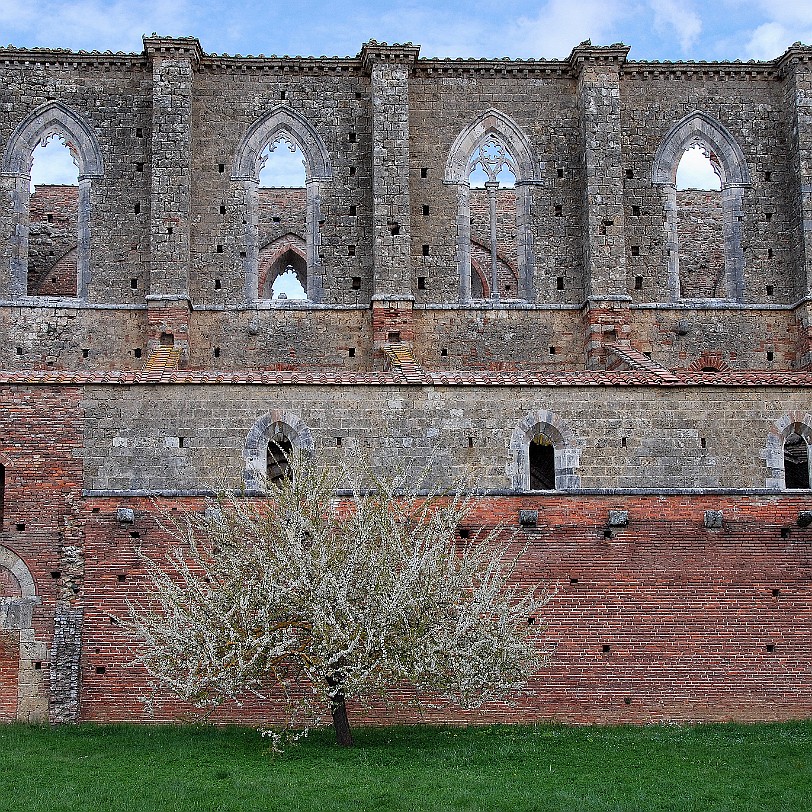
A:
[(658, 339)]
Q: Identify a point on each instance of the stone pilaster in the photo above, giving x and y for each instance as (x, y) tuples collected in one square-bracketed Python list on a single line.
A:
[(597, 70), (389, 67), (173, 63), (795, 68)]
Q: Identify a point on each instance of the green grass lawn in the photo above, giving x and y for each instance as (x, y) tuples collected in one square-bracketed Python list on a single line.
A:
[(123, 769)]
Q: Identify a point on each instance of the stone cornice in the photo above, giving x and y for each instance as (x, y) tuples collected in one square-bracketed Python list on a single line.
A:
[(156, 47), (374, 53), (599, 55), (797, 56)]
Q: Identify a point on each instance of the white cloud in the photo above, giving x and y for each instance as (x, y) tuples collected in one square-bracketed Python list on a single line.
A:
[(770, 40), (679, 18), (89, 24), (562, 24)]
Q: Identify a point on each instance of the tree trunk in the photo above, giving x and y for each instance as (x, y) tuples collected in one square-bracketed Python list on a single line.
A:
[(338, 708)]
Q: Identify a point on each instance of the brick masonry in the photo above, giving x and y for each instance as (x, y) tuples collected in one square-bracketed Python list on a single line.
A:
[(666, 389)]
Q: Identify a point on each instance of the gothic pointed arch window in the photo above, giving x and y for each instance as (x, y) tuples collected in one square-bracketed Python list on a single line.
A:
[(269, 445), (49, 232), (493, 168), (282, 216), (703, 176)]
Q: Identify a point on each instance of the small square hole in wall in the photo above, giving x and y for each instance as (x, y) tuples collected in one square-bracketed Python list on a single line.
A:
[(768, 176), (95, 510), (606, 648), (424, 172), (768, 216), (559, 283), (635, 250), (37, 665), (769, 253), (770, 647), (356, 283), (425, 250), (444, 352), (122, 577), (100, 669), (338, 442), (393, 337), (221, 168), (276, 219), (552, 350), (573, 580), (421, 282), (638, 283), (169, 231), (353, 211), (623, 442), (20, 526), (56, 574), (465, 533), (49, 218), (470, 442), (137, 208), (351, 250), (351, 352), (559, 210), (137, 352), (769, 290), (776, 593), (635, 211), (394, 229), (425, 211), (134, 534), (134, 284), (219, 249), (353, 138), (216, 352), (560, 172), (770, 355), (629, 173), (139, 133), (242, 254), (703, 443), (181, 442), (218, 284), (283, 95), (85, 353), (139, 166), (222, 209), (353, 170)]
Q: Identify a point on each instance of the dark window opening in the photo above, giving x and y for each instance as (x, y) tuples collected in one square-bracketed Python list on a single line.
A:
[(356, 283), (542, 464), (280, 450), (796, 463), (393, 338), (421, 282), (424, 172), (559, 283), (167, 340)]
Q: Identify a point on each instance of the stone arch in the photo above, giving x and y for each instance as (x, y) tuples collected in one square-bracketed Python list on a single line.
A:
[(527, 169), (272, 254), (50, 119), (276, 423), (796, 422), (566, 450), (18, 643), (699, 128), (280, 122)]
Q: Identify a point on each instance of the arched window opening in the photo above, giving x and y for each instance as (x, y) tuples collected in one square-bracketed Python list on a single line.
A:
[(703, 175), (541, 453), (280, 449), (282, 214), (493, 229), (796, 463), (53, 227), (700, 225)]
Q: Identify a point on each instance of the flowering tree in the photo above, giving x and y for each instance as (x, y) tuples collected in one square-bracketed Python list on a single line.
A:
[(342, 598)]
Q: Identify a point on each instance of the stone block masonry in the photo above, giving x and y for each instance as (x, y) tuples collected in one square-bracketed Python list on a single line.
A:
[(656, 342)]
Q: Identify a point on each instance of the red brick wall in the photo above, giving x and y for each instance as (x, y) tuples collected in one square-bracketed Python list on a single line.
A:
[(687, 612), (9, 667), (40, 446)]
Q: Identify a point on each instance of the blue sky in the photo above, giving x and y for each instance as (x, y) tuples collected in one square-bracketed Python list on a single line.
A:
[(656, 29)]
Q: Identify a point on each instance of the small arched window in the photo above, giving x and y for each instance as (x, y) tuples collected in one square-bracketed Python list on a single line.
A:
[(796, 463)]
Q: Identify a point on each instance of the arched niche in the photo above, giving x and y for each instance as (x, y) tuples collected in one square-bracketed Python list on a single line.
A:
[(566, 450), (274, 424), (282, 123), (700, 129), (494, 124), (49, 120)]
